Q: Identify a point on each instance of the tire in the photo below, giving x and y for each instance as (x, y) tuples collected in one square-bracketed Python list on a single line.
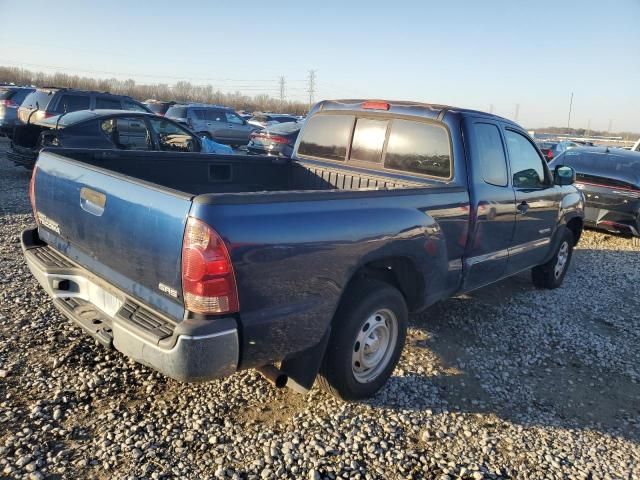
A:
[(551, 274), (380, 308), (206, 135)]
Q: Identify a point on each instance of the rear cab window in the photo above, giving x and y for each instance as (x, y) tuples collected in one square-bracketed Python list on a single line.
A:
[(411, 146), (368, 140), (327, 137), (419, 147)]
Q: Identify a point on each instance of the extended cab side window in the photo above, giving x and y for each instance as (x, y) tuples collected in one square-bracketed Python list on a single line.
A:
[(326, 136), (492, 162), (419, 147), (526, 165)]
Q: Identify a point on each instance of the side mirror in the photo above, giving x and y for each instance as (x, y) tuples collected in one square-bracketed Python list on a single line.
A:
[(563, 175)]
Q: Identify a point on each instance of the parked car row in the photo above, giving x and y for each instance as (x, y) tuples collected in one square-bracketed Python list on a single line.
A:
[(61, 117)]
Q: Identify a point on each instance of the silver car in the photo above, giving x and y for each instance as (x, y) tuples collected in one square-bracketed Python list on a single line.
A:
[(215, 122)]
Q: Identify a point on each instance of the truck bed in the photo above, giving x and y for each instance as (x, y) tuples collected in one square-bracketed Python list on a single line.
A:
[(198, 174)]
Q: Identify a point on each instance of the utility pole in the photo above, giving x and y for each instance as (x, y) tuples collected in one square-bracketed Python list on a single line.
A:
[(589, 127), (609, 129), (282, 85), (312, 86), (569, 119), (491, 108), (515, 117)]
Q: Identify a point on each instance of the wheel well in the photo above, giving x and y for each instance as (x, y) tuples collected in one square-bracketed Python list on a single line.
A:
[(400, 272), (575, 225)]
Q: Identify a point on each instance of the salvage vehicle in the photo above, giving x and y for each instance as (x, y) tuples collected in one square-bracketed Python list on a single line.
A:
[(10, 99), (51, 101), (304, 267), (215, 122), (116, 129), (610, 181), (278, 139)]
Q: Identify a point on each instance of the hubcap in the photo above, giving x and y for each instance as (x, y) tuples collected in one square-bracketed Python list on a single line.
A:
[(563, 255), (374, 345)]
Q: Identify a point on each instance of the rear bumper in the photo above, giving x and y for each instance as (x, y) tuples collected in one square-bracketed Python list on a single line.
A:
[(190, 351), (614, 221)]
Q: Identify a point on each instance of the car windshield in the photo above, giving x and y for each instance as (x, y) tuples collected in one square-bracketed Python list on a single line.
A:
[(156, 107), (177, 112), (68, 119)]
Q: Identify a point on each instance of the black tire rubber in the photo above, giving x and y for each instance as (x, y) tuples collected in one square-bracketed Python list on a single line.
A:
[(361, 300), (543, 275)]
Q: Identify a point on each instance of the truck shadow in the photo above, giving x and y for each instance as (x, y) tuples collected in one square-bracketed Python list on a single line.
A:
[(532, 357)]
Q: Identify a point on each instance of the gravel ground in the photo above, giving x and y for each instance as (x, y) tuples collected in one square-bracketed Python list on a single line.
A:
[(507, 382)]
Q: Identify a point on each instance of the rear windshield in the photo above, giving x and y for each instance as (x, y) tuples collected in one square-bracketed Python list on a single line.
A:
[(177, 112), (15, 94), (327, 136), (69, 118), (38, 99), (623, 168), (285, 128), (284, 119)]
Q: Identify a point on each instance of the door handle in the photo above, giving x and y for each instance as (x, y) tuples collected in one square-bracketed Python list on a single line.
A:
[(523, 208)]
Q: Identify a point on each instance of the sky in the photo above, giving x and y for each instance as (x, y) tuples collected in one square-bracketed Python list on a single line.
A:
[(491, 55)]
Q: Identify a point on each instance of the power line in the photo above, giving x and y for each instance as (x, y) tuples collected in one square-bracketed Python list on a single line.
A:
[(312, 86), (570, 108)]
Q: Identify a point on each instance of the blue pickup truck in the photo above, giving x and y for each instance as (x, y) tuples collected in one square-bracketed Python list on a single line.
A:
[(307, 267)]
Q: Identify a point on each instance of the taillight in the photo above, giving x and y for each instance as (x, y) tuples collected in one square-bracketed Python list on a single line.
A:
[(32, 193), (269, 138), (549, 154), (277, 139), (208, 280), (48, 115)]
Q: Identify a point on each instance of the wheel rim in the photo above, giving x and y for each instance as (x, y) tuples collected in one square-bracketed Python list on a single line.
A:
[(374, 345), (563, 256)]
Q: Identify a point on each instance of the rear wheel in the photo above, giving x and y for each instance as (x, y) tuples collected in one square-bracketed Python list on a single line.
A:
[(366, 341), (551, 274)]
